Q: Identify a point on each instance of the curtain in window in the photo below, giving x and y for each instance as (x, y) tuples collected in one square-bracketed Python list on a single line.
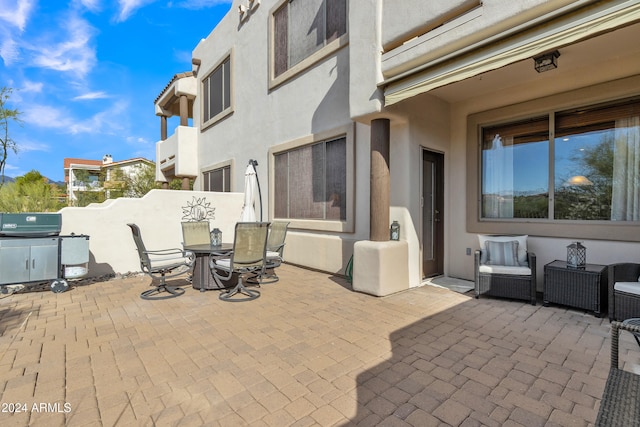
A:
[(625, 203), (497, 179)]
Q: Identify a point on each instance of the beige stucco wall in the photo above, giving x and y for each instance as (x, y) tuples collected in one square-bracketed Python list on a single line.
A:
[(158, 214)]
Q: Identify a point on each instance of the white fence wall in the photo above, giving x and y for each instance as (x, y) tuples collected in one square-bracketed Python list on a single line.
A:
[(158, 214)]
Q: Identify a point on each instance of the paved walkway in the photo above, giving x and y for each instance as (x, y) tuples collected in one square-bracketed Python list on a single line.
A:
[(308, 352)]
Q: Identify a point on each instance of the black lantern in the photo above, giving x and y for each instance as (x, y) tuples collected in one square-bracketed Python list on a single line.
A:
[(576, 255), (216, 237), (395, 231)]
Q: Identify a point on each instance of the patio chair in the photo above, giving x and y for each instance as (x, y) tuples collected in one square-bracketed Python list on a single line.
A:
[(160, 265), (504, 268), (275, 251), (248, 256), (624, 291), (620, 405), (195, 233)]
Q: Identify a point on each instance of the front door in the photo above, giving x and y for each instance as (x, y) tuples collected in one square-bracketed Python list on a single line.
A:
[(432, 213)]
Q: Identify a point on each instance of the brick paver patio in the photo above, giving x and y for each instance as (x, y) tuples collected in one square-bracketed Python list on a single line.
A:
[(308, 352)]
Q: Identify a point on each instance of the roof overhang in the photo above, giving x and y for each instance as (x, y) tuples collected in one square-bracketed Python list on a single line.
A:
[(571, 28)]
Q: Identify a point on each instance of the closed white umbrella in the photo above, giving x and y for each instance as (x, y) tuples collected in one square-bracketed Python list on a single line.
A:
[(250, 190)]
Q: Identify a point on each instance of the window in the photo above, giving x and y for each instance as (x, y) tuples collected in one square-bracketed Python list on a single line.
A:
[(218, 179), (311, 181), (587, 168), (303, 27), (216, 90)]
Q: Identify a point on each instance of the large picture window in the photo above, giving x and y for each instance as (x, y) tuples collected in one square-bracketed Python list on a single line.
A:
[(216, 91), (311, 181), (582, 164), (303, 27)]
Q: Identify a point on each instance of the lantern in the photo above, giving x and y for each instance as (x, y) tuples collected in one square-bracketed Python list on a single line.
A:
[(576, 255), (395, 231), (216, 237)]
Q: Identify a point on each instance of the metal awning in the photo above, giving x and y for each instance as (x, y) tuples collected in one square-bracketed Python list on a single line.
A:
[(581, 25)]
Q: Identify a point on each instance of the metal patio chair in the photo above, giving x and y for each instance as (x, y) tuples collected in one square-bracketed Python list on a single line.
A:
[(248, 256), (195, 233), (161, 264), (275, 252)]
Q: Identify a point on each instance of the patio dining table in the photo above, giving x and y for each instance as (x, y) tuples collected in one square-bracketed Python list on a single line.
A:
[(202, 278)]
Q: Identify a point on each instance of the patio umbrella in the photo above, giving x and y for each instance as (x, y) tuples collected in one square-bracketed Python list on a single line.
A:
[(250, 190)]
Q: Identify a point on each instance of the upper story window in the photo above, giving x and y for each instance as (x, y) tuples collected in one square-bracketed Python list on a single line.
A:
[(216, 91), (581, 164), (302, 28)]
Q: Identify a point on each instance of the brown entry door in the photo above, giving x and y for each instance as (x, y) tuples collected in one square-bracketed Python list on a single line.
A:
[(432, 213)]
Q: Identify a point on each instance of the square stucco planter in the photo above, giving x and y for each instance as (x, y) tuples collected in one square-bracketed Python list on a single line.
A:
[(380, 268)]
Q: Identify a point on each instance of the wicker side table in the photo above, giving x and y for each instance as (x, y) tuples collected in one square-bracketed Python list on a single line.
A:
[(584, 288)]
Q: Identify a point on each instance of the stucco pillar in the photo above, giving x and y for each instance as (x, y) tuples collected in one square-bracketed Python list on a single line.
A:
[(165, 185), (380, 181), (163, 128), (184, 110), (185, 183)]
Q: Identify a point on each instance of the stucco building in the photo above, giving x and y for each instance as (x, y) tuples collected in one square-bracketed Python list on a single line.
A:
[(454, 118)]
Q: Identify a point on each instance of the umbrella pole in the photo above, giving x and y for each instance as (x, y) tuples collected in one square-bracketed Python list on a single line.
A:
[(254, 163)]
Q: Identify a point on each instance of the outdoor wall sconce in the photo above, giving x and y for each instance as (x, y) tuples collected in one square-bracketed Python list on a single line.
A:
[(576, 255), (547, 61)]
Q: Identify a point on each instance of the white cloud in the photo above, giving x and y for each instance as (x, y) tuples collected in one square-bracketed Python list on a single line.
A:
[(128, 7), (90, 95), (75, 54), (9, 51), (29, 86), (16, 14), (27, 146), (200, 4), (92, 5)]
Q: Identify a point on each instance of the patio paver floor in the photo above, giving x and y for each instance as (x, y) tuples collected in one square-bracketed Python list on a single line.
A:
[(308, 352)]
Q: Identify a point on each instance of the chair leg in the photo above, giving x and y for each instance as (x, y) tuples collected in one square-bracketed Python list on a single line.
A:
[(157, 292), (250, 294)]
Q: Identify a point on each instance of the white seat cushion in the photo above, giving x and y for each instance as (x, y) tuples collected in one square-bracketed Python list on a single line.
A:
[(628, 287), (224, 263), (272, 254), (503, 269)]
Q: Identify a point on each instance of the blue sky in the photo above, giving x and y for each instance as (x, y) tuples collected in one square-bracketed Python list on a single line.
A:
[(85, 74)]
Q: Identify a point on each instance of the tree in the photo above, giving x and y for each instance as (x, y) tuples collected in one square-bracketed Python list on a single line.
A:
[(30, 193), (139, 184), (6, 115)]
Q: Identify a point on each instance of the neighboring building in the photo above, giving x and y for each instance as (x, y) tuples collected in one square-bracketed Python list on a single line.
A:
[(429, 113), (101, 177)]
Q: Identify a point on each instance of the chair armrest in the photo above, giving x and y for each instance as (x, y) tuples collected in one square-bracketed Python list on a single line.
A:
[(616, 327), (171, 251), (621, 272)]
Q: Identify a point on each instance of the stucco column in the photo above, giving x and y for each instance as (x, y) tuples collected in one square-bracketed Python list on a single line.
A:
[(380, 181), (185, 183), (184, 110), (163, 128)]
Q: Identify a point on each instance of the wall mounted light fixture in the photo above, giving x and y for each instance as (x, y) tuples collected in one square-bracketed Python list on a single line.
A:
[(546, 61)]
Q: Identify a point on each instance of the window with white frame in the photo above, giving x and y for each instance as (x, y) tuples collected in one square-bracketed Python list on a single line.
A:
[(303, 27), (581, 164), (311, 181), (216, 91), (218, 179)]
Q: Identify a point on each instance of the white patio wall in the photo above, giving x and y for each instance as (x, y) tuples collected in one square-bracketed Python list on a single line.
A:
[(158, 214)]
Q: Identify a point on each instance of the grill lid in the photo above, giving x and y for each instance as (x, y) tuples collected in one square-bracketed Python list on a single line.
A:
[(30, 224)]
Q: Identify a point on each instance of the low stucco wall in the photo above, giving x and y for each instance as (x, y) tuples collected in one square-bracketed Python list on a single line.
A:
[(158, 214)]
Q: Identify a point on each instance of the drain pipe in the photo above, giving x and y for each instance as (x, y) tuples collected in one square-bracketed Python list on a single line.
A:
[(254, 163)]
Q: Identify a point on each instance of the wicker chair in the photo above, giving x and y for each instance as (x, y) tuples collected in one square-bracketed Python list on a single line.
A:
[(620, 405), (624, 291), (506, 281)]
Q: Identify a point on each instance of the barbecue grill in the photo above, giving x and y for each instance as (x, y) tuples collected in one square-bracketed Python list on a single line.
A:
[(32, 251)]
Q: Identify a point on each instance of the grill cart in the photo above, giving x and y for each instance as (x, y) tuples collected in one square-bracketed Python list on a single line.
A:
[(32, 251)]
